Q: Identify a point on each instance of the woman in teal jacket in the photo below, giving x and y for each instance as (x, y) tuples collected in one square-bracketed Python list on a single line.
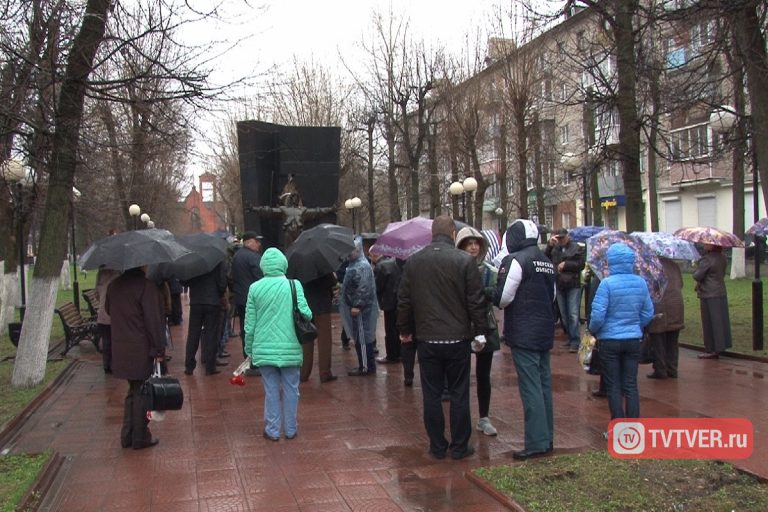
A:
[(271, 343), (621, 308)]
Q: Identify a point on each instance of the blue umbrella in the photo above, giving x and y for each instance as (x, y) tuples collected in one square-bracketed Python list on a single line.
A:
[(581, 233), (759, 228), (668, 245)]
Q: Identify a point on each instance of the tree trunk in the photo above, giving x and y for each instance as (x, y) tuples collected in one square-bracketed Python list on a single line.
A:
[(371, 195), (434, 180), (626, 103), (29, 369), (739, 149), (522, 166), (537, 178), (653, 197), (751, 46), (502, 175), (394, 192)]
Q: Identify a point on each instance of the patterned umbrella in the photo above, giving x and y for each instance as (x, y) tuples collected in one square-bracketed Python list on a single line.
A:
[(581, 233), (647, 264), (759, 228), (403, 239), (709, 235), (668, 245)]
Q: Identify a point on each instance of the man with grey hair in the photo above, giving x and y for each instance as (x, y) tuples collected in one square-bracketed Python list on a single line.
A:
[(441, 308)]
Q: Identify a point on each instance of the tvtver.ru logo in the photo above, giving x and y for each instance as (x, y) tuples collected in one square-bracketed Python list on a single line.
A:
[(629, 438), (681, 438)]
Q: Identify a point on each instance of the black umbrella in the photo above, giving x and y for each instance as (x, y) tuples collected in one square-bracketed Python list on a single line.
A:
[(132, 249), (319, 251), (206, 250)]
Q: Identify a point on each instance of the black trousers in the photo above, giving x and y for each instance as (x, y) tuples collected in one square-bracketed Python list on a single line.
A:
[(408, 356), (665, 353), (105, 335), (204, 322), (391, 336), (483, 362), (176, 313), (438, 364), (135, 432)]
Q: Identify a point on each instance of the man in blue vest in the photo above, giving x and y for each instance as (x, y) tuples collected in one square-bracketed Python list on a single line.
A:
[(526, 291)]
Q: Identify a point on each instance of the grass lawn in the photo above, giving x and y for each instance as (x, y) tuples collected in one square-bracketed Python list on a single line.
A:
[(740, 305), (12, 401), (596, 482), (17, 474)]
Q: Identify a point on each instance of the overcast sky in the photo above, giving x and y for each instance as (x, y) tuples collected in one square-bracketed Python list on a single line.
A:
[(272, 32)]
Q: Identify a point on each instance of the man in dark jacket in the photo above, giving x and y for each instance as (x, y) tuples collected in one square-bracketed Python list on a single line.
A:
[(440, 305), (245, 272), (206, 296), (319, 295), (568, 258), (387, 273), (526, 291), (135, 307)]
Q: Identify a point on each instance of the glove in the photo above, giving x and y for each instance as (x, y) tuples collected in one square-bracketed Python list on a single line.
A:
[(478, 344)]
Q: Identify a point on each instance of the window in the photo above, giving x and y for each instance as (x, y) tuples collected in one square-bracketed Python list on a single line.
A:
[(612, 168), (707, 209), (606, 126), (702, 34), (548, 170), (546, 89), (565, 220), (564, 134), (690, 142), (675, 54), (673, 215), (566, 177)]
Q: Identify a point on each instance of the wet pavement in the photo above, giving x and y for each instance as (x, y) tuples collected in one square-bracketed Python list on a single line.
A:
[(361, 444)]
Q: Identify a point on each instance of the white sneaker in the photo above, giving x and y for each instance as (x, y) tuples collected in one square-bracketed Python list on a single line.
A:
[(484, 425)]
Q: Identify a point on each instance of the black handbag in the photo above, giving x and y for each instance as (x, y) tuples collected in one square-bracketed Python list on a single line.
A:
[(162, 393), (306, 331)]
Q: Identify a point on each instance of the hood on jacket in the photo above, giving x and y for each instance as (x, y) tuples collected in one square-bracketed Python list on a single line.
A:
[(273, 262), (521, 233), (468, 232), (357, 252), (621, 259)]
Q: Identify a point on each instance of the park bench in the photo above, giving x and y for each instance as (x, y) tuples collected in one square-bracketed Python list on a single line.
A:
[(91, 297), (76, 328)]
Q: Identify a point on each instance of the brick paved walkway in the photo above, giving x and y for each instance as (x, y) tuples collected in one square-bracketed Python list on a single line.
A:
[(361, 443)]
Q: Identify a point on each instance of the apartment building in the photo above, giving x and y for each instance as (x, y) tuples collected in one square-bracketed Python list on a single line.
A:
[(553, 96)]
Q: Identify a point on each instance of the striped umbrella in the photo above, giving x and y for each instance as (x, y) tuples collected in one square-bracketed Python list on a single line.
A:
[(709, 235)]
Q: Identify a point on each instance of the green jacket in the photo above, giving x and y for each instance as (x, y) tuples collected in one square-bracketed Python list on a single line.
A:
[(270, 335)]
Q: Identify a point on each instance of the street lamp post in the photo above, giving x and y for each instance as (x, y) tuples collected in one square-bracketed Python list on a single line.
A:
[(134, 211), (499, 212), (457, 189), (722, 121), (14, 173), (145, 218), (470, 185), (75, 283), (352, 205)]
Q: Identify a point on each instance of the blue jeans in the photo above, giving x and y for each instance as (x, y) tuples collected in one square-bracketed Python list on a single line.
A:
[(534, 378), (620, 360), (569, 304), (276, 411)]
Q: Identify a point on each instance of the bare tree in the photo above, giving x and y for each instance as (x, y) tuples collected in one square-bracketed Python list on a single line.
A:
[(33, 345)]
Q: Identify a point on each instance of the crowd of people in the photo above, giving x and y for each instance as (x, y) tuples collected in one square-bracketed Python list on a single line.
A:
[(438, 305)]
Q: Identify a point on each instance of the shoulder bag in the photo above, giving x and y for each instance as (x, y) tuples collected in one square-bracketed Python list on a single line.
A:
[(306, 331)]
